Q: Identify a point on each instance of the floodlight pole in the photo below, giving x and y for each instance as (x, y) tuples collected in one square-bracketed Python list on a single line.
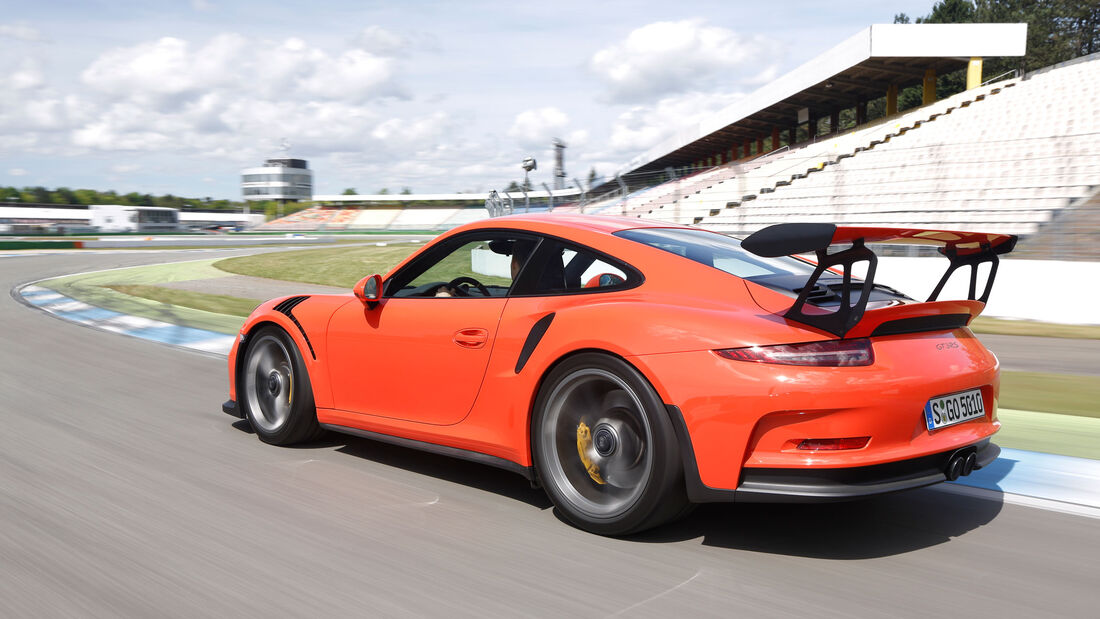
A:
[(527, 164), (550, 194), (584, 193), (526, 199), (622, 188)]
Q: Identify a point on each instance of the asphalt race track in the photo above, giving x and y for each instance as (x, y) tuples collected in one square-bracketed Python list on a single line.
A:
[(126, 492)]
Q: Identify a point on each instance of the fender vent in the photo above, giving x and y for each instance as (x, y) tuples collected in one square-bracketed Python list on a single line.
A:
[(286, 308)]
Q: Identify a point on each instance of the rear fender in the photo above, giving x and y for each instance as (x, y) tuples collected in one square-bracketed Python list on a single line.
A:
[(687, 454)]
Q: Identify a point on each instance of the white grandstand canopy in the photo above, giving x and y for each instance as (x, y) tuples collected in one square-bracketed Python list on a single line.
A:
[(866, 62)]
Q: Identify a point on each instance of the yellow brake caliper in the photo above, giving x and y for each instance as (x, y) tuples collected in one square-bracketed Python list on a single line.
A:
[(584, 442)]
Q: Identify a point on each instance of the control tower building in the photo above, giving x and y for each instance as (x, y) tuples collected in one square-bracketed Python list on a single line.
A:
[(285, 180)]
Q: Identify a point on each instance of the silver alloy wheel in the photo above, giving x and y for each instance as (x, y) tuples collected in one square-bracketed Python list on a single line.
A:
[(596, 437), (269, 383)]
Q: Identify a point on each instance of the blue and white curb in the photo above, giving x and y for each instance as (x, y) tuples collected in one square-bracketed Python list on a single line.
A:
[(135, 326), (1072, 484)]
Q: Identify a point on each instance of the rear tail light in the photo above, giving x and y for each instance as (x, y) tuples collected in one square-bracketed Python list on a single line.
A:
[(833, 444), (830, 353)]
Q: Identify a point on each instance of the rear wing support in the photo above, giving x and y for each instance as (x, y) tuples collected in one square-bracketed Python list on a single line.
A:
[(962, 248), (985, 254), (847, 314)]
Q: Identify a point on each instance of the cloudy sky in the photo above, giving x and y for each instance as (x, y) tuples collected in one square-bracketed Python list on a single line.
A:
[(177, 96)]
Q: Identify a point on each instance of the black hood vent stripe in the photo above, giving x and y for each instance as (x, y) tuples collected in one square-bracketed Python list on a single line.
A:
[(286, 308)]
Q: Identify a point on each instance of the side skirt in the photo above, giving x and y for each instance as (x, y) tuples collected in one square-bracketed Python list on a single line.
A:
[(443, 450)]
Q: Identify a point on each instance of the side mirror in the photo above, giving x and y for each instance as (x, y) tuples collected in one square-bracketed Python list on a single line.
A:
[(369, 290)]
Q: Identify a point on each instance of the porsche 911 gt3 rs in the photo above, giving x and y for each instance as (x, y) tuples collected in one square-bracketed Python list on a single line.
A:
[(634, 368)]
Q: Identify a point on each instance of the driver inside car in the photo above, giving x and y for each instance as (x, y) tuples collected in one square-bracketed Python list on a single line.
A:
[(519, 249)]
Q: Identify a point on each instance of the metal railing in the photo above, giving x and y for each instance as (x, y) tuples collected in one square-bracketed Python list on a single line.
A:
[(1015, 73)]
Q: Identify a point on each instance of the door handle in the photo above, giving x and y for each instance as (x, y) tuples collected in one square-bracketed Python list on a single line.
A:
[(471, 338)]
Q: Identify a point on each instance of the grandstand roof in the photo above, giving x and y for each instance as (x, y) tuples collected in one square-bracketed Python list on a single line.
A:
[(861, 67)]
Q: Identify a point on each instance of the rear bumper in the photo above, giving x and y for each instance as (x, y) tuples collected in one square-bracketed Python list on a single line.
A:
[(812, 485), (229, 407)]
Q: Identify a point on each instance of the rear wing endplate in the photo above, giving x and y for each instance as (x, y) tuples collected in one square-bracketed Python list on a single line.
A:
[(962, 249)]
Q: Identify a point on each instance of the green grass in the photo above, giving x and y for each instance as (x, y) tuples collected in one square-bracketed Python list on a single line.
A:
[(1068, 435), (338, 266), (95, 289), (217, 303), (1068, 394), (999, 326)]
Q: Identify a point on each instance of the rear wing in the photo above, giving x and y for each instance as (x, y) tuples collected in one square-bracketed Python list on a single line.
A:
[(962, 249)]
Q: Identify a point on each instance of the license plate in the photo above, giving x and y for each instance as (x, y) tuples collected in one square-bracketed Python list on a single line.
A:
[(947, 410)]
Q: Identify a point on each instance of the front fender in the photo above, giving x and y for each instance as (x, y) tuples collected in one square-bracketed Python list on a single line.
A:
[(306, 322)]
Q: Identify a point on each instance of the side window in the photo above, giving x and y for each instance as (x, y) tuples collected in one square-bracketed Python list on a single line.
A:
[(475, 267), (567, 269)]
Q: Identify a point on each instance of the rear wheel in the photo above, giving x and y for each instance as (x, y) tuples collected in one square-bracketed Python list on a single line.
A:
[(278, 397), (605, 449)]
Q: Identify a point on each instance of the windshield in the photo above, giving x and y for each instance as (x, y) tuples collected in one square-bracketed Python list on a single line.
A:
[(716, 250)]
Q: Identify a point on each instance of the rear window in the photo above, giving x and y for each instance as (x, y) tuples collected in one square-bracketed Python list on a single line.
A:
[(716, 250)]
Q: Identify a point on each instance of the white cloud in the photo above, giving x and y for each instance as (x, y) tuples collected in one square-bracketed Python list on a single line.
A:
[(17, 172), (535, 128), (378, 40), (670, 57), (169, 71), (26, 77), (416, 133), (226, 98), (576, 139), (642, 127), (22, 32), (149, 72), (355, 74)]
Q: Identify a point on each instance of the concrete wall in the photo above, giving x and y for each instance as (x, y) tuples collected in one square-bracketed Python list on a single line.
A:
[(1045, 290)]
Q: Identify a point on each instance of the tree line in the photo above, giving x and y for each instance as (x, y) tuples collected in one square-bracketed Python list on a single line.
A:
[(64, 195), (1057, 30)]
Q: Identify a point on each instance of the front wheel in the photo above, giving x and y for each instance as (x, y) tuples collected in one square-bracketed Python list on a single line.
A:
[(605, 449), (278, 397)]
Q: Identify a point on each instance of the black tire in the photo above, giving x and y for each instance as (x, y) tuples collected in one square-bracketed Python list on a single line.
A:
[(605, 449), (276, 396)]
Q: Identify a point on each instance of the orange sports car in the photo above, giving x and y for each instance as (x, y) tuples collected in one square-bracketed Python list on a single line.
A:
[(634, 368)]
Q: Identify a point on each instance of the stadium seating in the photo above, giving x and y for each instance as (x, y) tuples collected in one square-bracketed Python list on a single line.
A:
[(417, 218), (310, 219), (1004, 157), (313, 218), (374, 218), (342, 218), (465, 216)]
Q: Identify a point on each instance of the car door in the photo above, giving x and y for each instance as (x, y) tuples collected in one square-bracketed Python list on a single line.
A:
[(421, 353)]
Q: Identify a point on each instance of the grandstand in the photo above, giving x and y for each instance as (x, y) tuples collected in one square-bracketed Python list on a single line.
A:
[(1003, 158), (324, 217), (411, 211)]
